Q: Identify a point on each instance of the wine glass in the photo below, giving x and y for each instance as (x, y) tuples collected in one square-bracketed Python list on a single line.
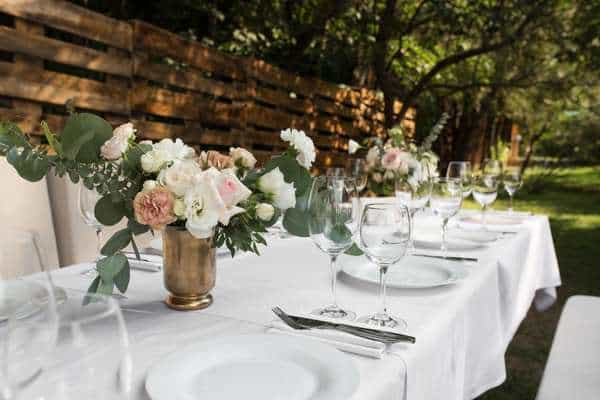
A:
[(414, 193), (28, 329), (358, 171), (87, 204), (333, 219), (492, 168), (384, 236), (446, 199), (461, 170), (336, 171), (92, 358), (512, 181), (485, 191)]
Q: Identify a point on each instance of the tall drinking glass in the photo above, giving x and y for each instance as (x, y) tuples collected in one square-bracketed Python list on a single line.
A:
[(358, 171), (461, 170), (414, 193), (28, 329), (87, 204), (485, 191), (334, 213), (446, 199), (92, 358), (512, 181), (384, 236)]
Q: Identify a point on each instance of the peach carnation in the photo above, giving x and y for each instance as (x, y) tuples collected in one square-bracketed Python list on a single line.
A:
[(154, 207)]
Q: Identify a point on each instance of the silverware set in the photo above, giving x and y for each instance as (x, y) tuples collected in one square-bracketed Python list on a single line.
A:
[(303, 323)]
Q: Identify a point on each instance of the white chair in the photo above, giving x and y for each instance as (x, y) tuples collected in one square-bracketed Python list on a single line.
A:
[(25, 215), (573, 368)]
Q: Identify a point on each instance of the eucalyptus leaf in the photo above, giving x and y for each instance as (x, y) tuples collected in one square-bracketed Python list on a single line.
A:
[(118, 241), (136, 228), (110, 266), (83, 135), (11, 135), (295, 221), (108, 212), (122, 278), (30, 165), (52, 139), (354, 250)]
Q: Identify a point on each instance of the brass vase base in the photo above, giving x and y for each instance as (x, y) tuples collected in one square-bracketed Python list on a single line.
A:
[(190, 303)]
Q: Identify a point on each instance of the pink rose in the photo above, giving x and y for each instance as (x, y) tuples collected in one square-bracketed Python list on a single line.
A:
[(395, 159), (154, 208)]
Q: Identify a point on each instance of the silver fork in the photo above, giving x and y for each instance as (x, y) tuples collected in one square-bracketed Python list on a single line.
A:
[(382, 337)]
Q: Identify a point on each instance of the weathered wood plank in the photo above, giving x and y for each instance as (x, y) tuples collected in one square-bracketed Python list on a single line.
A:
[(164, 43), (55, 88), (275, 119), (69, 17), (188, 79), (264, 72), (61, 52), (281, 99), (166, 103), (334, 108)]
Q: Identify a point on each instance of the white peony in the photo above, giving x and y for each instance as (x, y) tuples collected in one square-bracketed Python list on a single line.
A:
[(353, 146), (302, 144), (174, 150), (153, 161), (271, 181), (149, 185), (180, 176), (265, 211), (286, 197), (242, 157)]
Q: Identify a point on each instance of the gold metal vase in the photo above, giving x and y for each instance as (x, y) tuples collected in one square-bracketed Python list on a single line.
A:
[(189, 269)]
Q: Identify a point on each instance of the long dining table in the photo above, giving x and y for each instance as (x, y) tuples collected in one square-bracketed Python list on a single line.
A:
[(462, 330)]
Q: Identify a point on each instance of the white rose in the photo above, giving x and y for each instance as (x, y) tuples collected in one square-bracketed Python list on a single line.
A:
[(271, 181), (265, 211), (126, 131), (180, 176), (242, 157), (353, 146), (286, 197), (153, 161), (302, 144), (114, 148), (175, 150), (179, 208), (149, 185)]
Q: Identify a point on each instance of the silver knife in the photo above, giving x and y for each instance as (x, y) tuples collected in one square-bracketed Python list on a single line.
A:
[(451, 258), (391, 335)]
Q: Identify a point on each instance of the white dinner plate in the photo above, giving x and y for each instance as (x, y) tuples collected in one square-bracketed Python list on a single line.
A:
[(492, 220), (478, 236), (452, 245), (258, 366), (25, 297), (409, 273)]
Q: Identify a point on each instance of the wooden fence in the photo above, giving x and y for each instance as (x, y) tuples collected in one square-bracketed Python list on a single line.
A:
[(53, 51)]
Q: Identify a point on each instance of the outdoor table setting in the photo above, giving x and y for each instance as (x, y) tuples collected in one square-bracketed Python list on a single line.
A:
[(422, 301)]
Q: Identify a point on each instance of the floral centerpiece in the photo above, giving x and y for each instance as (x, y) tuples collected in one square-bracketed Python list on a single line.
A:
[(225, 197), (400, 159)]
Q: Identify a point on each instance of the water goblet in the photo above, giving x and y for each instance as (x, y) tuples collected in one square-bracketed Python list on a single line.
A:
[(461, 170), (512, 181), (446, 199), (87, 204), (414, 194), (358, 171), (485, 191), (384, 237), (333, 219)]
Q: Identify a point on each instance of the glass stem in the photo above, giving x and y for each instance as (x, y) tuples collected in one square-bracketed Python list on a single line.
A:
[(483, 210), (333, 270), (510, 208), (444, 247), (411, 240), (382, 289)]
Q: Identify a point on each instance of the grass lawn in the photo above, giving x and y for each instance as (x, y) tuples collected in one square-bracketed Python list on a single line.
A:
[(571, 198)]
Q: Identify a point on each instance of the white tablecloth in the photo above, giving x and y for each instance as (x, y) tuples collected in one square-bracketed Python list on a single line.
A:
[(462, 330)]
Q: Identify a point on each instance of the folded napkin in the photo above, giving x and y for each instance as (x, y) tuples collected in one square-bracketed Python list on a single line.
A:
[(340, 340)]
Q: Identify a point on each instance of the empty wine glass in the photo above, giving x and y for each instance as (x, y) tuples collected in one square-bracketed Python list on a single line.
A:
[(358, 171), (414, 193), (512, 181), (461, 170), (92, 358), (28, 328), (336, 171), (485, 191), (492, 168), (384, 236), (87, 204), (446, 199), (334, 213)]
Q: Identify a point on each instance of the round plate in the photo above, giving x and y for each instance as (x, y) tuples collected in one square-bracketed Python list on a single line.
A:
[(260, 366), (477, 236), (26, 297), (453, 245), (495, 220), (409, 273)]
